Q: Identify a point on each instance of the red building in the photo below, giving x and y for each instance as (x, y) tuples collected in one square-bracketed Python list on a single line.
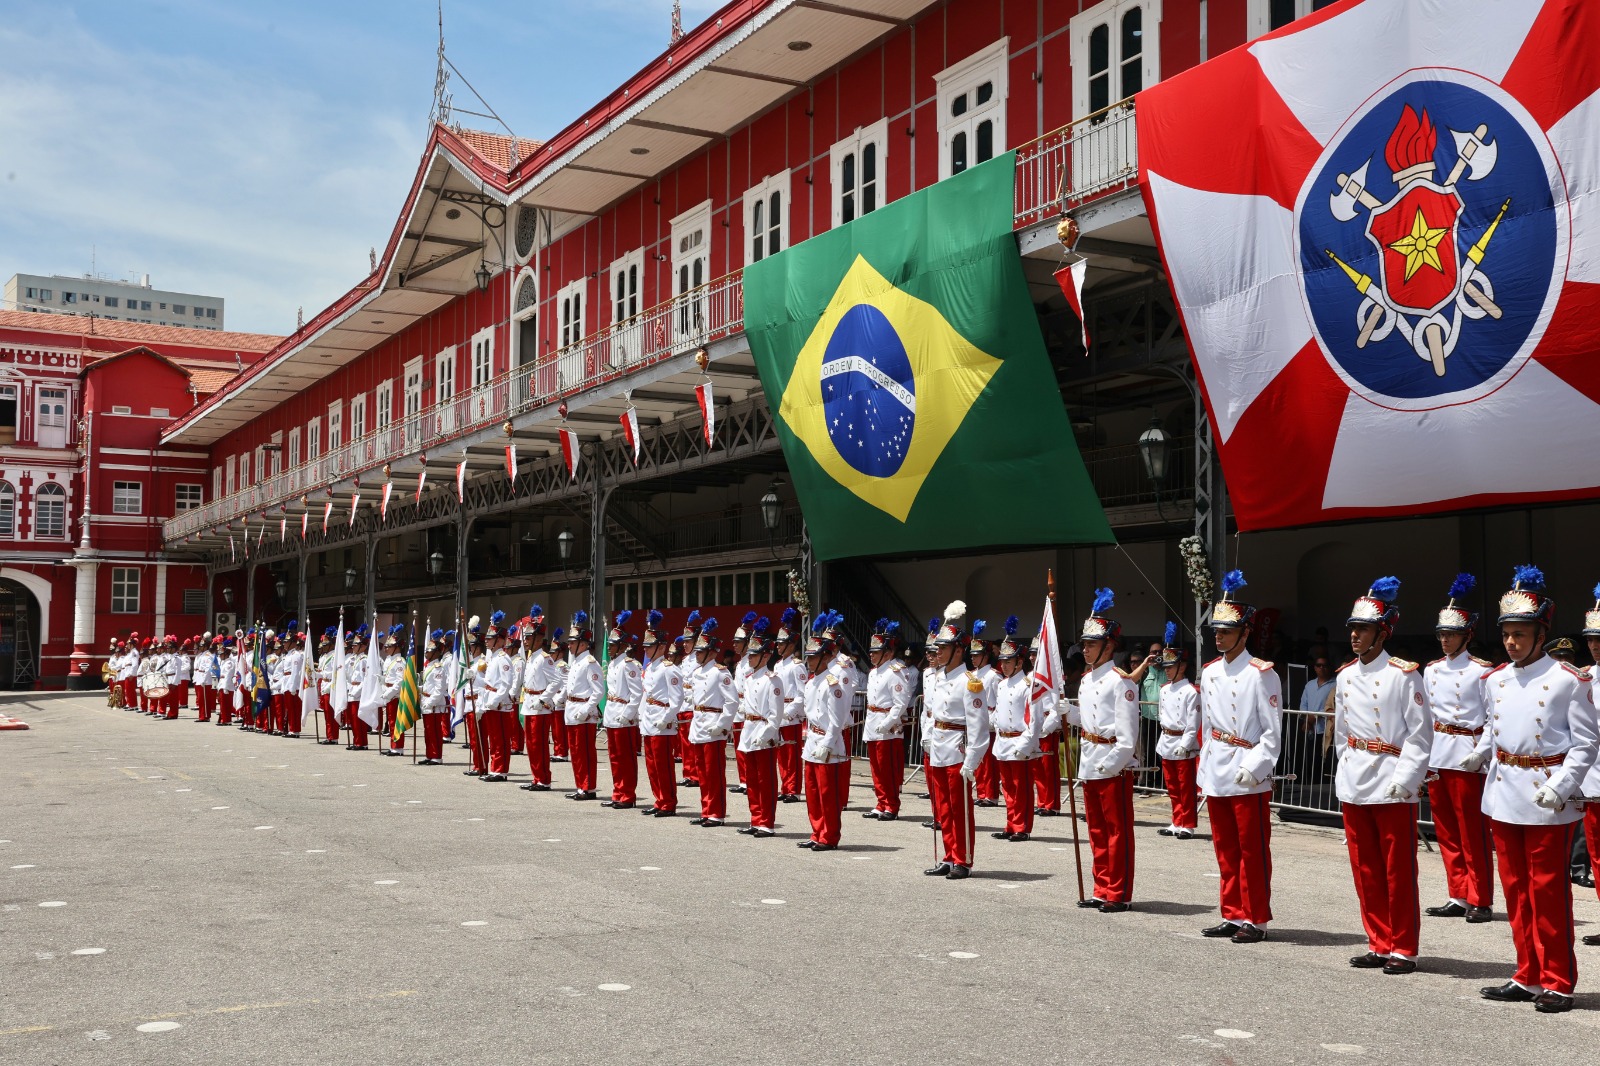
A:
[(85, 484)]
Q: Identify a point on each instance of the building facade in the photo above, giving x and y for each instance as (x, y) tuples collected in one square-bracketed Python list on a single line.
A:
[(114, 300)]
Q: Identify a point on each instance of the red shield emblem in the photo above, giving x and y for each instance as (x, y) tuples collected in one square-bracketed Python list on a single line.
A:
[(1415, 234)]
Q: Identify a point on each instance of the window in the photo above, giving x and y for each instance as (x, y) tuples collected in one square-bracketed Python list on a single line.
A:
[(69, 297), (314, 438), (335, 424), (569, 302), (50, 511), (261, 463), (179, 309), (276, 452), (358, 417), (124, 590), (482, 356), (144, 305), (766, 217), (33, 294), (199, 313), (211, 312), (244, 470), (1115, 53), (625, 275), (972, 109), (444, 376), (413, 397), (232, 467), (8, 414), (194, 601), (188, 497), (127, 497), (383, 405), (160, 412), (163, 307), (216, 482), (525, 312), (111, 301), (294, 448), (8, 509), (46, 294), (1268, 15), (858, 166)]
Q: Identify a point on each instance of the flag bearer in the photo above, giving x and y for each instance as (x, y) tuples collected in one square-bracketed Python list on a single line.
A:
[(325, 668), (624, 685), (435, 699), (689, 665), (205, 680), (498, 707), (955, 738), (828, 722), (227, 681), (741, 669), (1453, 686), (557, 650), (540, 680), (1179, 744), (1241, 705), (1047, 767), (355, 669), (662, 685), (1017, 727), (394, 672), (584, 685), (981, 656), (790, 671), (761, 707), (711, 695), (888, 713), (1542, 737)]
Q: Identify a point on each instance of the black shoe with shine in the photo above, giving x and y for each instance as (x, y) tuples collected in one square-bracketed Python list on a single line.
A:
[(987, 803), (1591, 940), (464, 773), (534, 786), (748, 831), (1165, 831), (1548, 1002), (663, 814), (1221, 929), (1479, 915), (1370, 961), (625, 805), (1001, 836), (958, 873), (712, 823), (941, 870), (1510, 992), (1249, 934), (884, 816), (931, 825), (1093, 903), (1114, 908), (871, 814), (1017, 838), (824, 847), (805, 844), (1399, 966), (924, 795), (1452, 909), (789, 797), (493, 777), (740, 789)]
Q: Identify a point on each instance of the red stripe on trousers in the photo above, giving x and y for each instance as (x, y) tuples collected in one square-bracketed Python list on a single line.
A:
[(1241, 834), (761, 787), (791, 778), (433, 727), (1456, 802), (580, 743), (475, 741), (536, 741), (823, 802), (658, 753), (952, 809), (1047, 773), (712, 760), (1382, 840), (1108, 808), (1534, 876), (1016, 783), (622, 746), (1179, 776), (888, 761)]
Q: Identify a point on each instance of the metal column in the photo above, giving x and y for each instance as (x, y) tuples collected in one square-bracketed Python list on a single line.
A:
[(597, 541)]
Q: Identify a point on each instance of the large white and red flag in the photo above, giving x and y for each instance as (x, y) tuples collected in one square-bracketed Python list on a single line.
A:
[(708, 410), (570, 452), (630, 432), (461, 481), (383, 506), (1070, 278), (1387, 259), (1048, 677)]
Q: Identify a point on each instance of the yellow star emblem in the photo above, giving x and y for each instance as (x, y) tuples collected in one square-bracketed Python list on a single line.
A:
[(1420, 246)]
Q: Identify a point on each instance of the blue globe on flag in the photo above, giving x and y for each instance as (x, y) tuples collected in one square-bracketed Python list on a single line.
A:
[(869, 392)]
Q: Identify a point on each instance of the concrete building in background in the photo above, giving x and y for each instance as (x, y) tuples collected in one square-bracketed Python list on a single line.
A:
[(109, 298)]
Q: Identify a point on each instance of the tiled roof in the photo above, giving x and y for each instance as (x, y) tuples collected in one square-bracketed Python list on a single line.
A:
[(136, 332), (207, 381), (495, 148)]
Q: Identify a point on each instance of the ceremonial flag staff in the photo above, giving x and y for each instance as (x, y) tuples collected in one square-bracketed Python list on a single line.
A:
[(1049, 630)]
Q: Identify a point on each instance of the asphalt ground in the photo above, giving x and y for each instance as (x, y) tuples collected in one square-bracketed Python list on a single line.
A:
[(263, 900)]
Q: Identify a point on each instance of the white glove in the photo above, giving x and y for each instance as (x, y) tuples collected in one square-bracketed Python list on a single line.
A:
[(969, 776), (1191, 753), (1546, 797), (1473, 762), (1395, 793), (1246, 779)]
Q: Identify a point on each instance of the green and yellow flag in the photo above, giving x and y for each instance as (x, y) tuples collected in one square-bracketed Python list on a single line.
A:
[(916, 404), (410, 699)]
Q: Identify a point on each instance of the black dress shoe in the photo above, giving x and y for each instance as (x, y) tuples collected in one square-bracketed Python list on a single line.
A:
[(1001, 836), (941, 870), (608, 803), (762, 833), (663, 814), (1164, 831), (931, 825), (1510, 992), (1249, 934), (625, 805), (711, 823), (740, 789), (1548, 1002), (924, 795), (748, 830), (1451, 909), (1115, 908), (464, 773), (958, 873), (535, 786), (686, 783), (789, 797), (493, 777), (1396, 966), (806, 844), (581, 796), (1591, 940), (1479, 915), (884, 816), (870, 814), (1370, 961), (826, 847), (987, 803), (1093, 903)]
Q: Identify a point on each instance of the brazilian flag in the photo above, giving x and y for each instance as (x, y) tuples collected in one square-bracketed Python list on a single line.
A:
[(916, 404), (410, 698)]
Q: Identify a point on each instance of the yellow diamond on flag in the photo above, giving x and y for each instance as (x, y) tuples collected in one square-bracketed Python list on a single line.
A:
[(880, 387)]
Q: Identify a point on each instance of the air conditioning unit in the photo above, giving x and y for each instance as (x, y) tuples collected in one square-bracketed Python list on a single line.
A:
[(226, 621)]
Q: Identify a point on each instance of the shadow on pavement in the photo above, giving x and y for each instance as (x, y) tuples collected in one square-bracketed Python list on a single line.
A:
[(1318, 938), (1161, 906)]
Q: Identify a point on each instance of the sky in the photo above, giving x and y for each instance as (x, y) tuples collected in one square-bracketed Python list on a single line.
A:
[(257, 150)]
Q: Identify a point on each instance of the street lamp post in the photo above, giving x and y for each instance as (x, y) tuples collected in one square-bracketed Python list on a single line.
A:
[(564, 546), (436, 563), (771, 515)]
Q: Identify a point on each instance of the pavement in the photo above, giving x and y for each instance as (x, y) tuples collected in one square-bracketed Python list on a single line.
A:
[(180, 893)]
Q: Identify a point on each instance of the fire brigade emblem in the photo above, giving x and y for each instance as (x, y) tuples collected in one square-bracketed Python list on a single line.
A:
[(1428, 242)]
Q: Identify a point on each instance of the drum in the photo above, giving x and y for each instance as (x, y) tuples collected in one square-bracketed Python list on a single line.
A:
[(157, 688)]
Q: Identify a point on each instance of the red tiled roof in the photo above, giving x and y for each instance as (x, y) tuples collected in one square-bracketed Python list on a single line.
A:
[(136, 332), (494, 148), (207, 381)]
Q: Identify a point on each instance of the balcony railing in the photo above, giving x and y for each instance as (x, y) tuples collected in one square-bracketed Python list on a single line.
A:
[(1090, 157)]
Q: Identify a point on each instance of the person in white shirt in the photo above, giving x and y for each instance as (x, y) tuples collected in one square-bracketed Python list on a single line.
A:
[(355, 668), (688, 666), (1178, 745), (539, 678), (1591, 780), (1017, 726), (227, 681), (1047, 767), (624, 690), (828, 724), (889, 694), (584, 686), (740, 643), (980, 657), (290, 667), (956, 731), (204, 668), (663, 695), (434, 693), (712, 696), (184, 674), (394, 674), (761, 707)]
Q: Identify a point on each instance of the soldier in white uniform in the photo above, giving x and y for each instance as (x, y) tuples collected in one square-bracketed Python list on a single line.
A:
[(557, 650), (1241, 708), (540, 679), (355, 670), (761, 707), (1382, 734), (434, 696), (1453, 687), (980, 656), (324, 675), (828, 723), (204, 669), (1107, 715), (956, 736), (1542, 737), (1178, 746), (662, 686), (688, 666), (714, 702), (624, 690), (498, 708), (790, 671), (889, 686), (740, 642), (1017, 725), (583, 689), (227, 681)]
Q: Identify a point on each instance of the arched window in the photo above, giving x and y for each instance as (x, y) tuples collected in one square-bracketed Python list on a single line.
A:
[(50, 511), (8, 509)]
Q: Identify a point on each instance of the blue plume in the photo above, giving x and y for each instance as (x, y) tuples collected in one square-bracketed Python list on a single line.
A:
[(400, 627), (1170, 637), (1232, 582), (535, 611), (580, 619), (749, 616), (1104, 600), (291, 626), (694, 619), (710, 626), (497, 618), (892, 628), (450, 634), (1011, 626), (820, 624), (653, 619), (331, 631), (881, 626), (1597, 592), (790, 617), (1385, 589), (1463, 584), (437, 634), (622, 618), (837, 619), (1528, 577), (558, 634), (977, 627), (762, 625), (933, 625)]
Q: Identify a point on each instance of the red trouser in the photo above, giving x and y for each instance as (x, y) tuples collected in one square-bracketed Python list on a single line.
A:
[(293, 709), (1591, 835), (987, 778), (202, 702), (183, 693), (888, 761), (622, 745), (658, 767), (1241, 833), (1179, 775), (558, 737), (130, 694), (475, 741), (1016, 782), (514, 735), (580, 742), (224, 708), (280, 713), (761, 787), (712, 767), (789, 773), (1047, 772), (952, 809), (433, 727), (688, 751), (536, 741), (823, 801), (1108, 808), (358, 726), (264, 713), (330, 722), (171, 703), (738, 756), (495, 728), (1382, 838), (391, 711), (1456, 800), (1533, 874)]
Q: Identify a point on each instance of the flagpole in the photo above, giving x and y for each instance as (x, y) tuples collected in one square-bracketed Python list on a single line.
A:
[(1072, 783), (417, 674)]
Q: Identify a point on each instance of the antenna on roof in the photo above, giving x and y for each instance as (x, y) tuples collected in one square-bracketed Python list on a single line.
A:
[(677, 21), (444, 109), (440, 115)]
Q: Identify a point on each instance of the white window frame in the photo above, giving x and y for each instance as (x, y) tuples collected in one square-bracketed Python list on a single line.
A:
[(276, 453), (875, 135), (8, 509), (198, 497), (358, 416), (625, 286), (216, 483), (758, 200), (1110, 12), (335, 425), (411, 384), (1258, 16), (483, 356), (294, 448), (232, 466), (383, 404), (444, 376), (314, 440), (520, 315), (991, 64), (59, 493), (571, 303), (48, 395), (127, 497), (125, 590)]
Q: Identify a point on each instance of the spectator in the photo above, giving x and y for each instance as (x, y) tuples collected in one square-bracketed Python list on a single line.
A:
[(1316, 696), (1149, 679)]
